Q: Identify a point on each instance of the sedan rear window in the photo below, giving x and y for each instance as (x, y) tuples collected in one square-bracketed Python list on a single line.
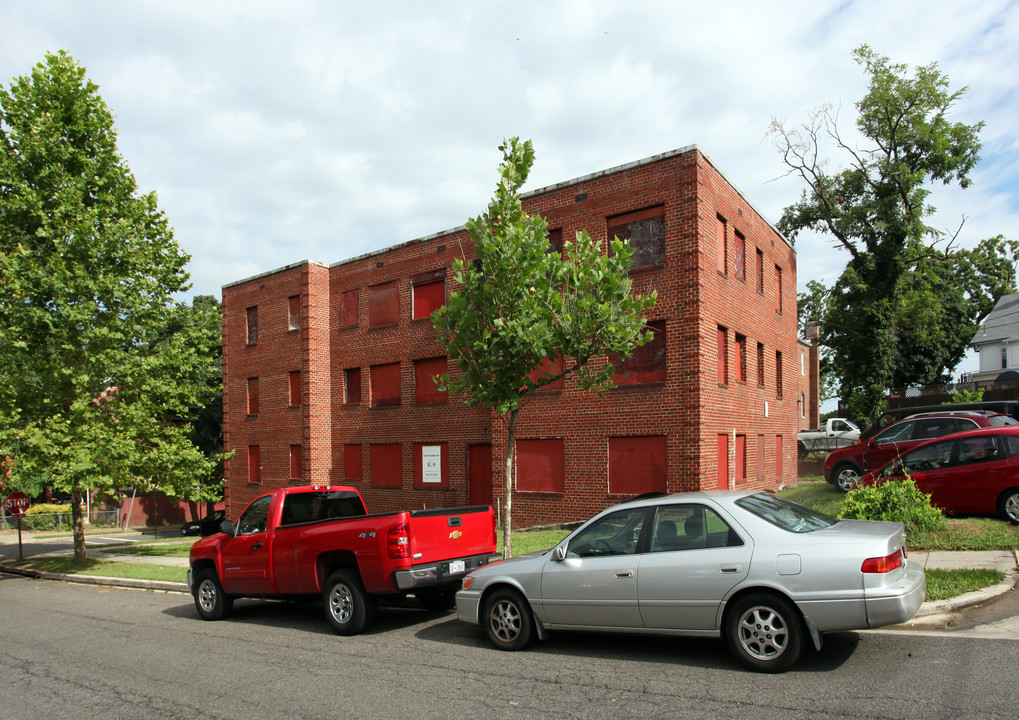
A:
[(785, 514)]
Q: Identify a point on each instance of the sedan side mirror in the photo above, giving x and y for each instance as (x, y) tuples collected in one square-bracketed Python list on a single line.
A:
[(559, 553)]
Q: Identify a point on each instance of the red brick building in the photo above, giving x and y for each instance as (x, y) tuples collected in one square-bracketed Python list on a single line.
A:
[(327, 370)]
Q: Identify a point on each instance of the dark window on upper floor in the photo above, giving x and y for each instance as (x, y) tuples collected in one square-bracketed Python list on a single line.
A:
[(645, 231)]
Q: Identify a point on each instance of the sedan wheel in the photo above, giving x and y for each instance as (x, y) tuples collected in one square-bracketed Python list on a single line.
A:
[(1008, 505), (846, 476), (508, 620), (765, 632)]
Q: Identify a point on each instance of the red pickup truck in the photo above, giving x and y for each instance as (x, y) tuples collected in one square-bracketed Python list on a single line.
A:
[(319, 541)]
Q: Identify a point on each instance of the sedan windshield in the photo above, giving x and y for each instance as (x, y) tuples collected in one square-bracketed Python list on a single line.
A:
[(785, 514)]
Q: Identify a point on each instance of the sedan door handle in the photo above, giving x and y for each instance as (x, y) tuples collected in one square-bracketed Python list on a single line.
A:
[(624, 573), (729, 569)]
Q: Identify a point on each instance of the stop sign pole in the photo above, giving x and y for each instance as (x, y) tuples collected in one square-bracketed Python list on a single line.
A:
[(16, 504)]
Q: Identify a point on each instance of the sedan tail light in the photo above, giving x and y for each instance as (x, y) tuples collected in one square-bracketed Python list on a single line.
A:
[(884, 564)]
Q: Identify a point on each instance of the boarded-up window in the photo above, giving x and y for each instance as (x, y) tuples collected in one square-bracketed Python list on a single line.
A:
[(555, 242), (425, 371), (539, 466), (254, 464), (637, 465), (386, 461), (723, 362), (352, 386), (647, 364), (741, 460), (741, 357), (739, 257), (294, 312), (252, 325), (431, 465), (645, 230), (760, 364), (352, 461), (384, 304), (720, 250), (778, 289), (350, 308), (548, 368), (296, 462), (778, 375), (760, 457), (760, 272), (429, 294), (253, 396), (295, 388), (385, 384)]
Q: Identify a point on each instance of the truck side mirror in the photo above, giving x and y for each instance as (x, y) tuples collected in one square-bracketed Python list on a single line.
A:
[(227, 527)]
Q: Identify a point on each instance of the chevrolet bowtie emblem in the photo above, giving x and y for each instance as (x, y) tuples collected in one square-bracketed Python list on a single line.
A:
[(455, 535)]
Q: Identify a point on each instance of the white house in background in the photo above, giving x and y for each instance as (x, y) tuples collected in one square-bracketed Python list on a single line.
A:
[(997, 341)]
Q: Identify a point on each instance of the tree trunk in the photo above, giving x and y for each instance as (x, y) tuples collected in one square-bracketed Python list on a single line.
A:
[(78, 523), (507, 516)]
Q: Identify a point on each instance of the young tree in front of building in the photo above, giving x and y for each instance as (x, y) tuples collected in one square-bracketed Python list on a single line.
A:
[(527, 317), (101, 367), (908, 300)]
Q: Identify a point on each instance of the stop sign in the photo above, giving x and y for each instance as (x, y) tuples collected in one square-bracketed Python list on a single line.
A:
[(17, 503)]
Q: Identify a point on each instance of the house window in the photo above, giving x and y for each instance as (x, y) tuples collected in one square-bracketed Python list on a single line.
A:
[(384, 304), (254, 464), (778, 289), (295, 388), (760, 364), (741, 357), (428, 297), (741, 461), (637, 465), (431, 465), (386, 461), (385, 384), (352, 461), (253, 396), (803, 363), (425, 371), (720, 249), (1004, 357), (252, 325), (645, 231), (778, 375), (803, 405), (739, 257), (760, 272), (647, 364), (296, 462), (539, 466), (352, 384), (723, 363), (349, 307), (294, 312), (555, 242)]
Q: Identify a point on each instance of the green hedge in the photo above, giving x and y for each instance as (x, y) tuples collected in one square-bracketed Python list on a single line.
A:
[(896, 501), (45, 516)]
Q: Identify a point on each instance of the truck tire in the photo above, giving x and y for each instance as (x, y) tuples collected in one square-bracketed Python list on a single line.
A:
[(437, 600), (210, 600), (508, 620), (348, 608), (845, 476)]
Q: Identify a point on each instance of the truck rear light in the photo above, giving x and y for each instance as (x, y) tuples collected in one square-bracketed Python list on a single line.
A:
[(399, 542), (883, 564)]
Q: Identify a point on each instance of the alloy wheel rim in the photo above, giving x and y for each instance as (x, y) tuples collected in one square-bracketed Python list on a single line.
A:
[(763, 633), (505, 621), (1012, 507), (207, 595), (341, 603)]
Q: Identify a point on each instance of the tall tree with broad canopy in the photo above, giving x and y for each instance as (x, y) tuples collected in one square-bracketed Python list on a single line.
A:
[(527, 317), (101, 367), (904, 308)]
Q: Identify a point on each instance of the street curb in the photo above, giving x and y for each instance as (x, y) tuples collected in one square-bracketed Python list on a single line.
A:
[(160, 585), (966, 600)]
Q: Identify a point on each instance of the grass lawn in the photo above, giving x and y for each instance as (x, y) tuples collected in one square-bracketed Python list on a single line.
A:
[(108, 568)]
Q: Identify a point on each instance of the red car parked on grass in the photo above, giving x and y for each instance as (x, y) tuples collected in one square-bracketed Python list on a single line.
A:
[(844, 466), (976, 471)]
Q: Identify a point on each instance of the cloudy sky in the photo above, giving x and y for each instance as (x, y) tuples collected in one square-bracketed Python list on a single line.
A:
[(275, 132)]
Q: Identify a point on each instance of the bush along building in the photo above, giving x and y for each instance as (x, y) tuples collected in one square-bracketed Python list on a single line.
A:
[(327, 370)]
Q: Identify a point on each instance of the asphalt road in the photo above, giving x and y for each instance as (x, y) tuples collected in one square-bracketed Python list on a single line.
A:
[(77, 651)]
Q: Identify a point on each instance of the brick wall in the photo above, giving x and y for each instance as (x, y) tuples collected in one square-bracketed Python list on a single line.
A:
[(700, 420)]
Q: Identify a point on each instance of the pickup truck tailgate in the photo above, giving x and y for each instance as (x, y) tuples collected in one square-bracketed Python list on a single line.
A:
[(447, 533)]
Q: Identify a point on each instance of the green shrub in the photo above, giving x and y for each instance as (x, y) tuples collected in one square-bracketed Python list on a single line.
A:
[(895, 500), (48, 517)]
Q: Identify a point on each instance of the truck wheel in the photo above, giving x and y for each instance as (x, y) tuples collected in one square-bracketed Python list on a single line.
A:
[(508, 620), (437, 600), (1008, 505), (845, 477), (347, 606), (210, 600), (765, 632)]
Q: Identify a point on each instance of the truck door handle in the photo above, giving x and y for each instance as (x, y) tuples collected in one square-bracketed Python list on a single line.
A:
[(256, 545)]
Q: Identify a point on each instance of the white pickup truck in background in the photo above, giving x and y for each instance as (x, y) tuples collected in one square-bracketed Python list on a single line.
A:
[(836, 433)]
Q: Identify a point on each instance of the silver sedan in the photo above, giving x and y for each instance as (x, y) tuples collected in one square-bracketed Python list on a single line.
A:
[(764, 572)]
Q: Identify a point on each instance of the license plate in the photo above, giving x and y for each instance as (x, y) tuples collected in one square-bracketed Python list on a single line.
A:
[(456, 566)]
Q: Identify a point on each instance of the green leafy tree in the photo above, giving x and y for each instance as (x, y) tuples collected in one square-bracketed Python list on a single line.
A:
[(527, 317), (901, 310), (101, 367)]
